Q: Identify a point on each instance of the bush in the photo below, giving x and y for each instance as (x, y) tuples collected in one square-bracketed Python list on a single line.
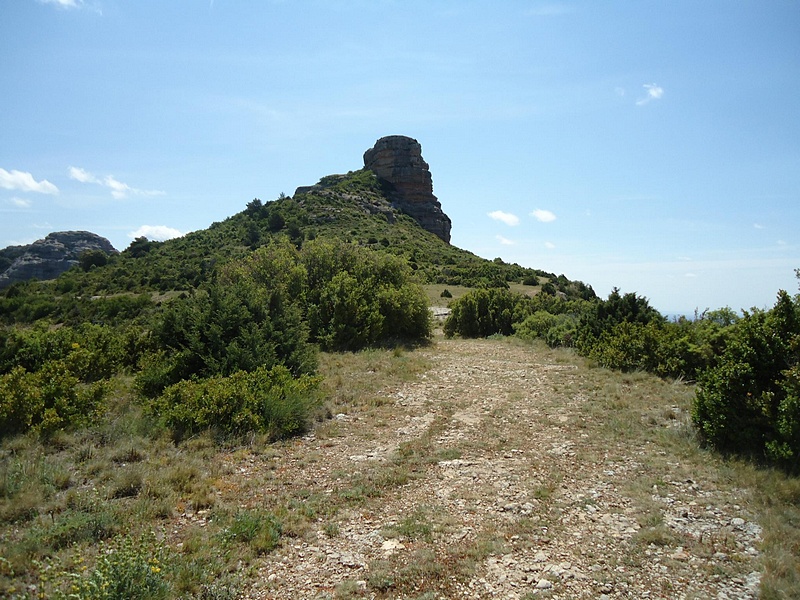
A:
[(92, 258), (48, 400), (555, 330), (91, 352), (749, 402), (484, 312), (250, 318), (266, 400), (357, 297), (606, 314), (127, 570)]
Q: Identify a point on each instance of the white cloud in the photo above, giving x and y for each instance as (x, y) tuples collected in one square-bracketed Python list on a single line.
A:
[(118, 188), (507, 218), (20, 202), (89, 5), (63, 3), (758, 226), (543, 216), (654, 92), (549, 245), (505, 241), (24, 182), (82, 175), (156, 233)]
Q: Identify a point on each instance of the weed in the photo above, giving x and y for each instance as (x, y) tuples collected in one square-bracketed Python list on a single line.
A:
[(260, 530), (202, 496), (658, 535), (128, 454), (127, 484), (181, 477), (127, 569), (416, 526), (381, 577)]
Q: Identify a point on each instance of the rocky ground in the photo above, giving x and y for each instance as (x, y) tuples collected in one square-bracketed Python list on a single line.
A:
[(505, 472)]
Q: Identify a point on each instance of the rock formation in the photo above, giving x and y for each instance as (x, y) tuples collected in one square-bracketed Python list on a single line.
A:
[(398, 163), (48, 258)]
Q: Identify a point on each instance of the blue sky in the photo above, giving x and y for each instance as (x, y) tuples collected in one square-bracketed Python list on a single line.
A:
[(653, 146)]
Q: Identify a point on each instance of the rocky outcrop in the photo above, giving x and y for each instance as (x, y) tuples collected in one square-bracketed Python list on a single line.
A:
[(398, 163), (48, 258)]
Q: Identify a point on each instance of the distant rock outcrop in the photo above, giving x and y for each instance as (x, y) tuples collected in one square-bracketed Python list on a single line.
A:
[(48, 258), (398, 163)]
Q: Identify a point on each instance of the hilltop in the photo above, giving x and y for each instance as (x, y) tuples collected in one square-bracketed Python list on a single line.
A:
[(387, 206), (266, 409), (50, 257)]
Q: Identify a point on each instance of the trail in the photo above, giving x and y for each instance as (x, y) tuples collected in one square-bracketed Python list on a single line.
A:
[(505, 472)]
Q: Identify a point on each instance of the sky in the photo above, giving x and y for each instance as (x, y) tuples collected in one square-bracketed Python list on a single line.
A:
[(649, 146)]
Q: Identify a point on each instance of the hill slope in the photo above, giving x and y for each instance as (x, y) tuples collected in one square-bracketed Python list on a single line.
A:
[(358, 207)]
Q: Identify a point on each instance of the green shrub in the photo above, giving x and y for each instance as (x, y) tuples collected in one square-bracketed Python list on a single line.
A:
[(127, 569), (749, 402), (484, 312), (250, 318), (265, 400), (535, 325), (91, 352), (345, 315), (48, 400), (357, 297), (604, 315), (556, 330)]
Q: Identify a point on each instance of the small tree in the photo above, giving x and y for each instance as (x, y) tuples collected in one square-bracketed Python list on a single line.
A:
[(254, 207), (139, 247), (92, 258)]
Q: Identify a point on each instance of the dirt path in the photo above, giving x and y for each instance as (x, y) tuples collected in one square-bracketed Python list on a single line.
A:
[(503, 472)]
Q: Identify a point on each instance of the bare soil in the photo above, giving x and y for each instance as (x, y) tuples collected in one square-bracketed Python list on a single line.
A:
[(504, 471)]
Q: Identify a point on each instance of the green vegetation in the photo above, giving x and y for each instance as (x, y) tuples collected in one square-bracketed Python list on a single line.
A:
[(270, 401), (750, 401), (121, 380), (748, 369), (125, 381)]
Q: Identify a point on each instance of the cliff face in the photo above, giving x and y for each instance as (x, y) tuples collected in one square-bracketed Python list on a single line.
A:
[(48, 258), (398, 163)]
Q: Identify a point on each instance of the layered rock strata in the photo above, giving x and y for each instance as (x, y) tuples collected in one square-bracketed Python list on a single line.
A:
[(48, 258), (397, 161)]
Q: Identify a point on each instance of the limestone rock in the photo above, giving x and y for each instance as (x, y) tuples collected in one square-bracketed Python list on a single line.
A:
[(48, 258), (398, 163)]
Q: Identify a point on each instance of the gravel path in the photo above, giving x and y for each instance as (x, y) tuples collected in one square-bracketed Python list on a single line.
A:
[(496, 475)]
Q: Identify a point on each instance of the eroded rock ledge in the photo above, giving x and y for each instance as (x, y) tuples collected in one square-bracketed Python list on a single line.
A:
[(398, 163), (48, 258)]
